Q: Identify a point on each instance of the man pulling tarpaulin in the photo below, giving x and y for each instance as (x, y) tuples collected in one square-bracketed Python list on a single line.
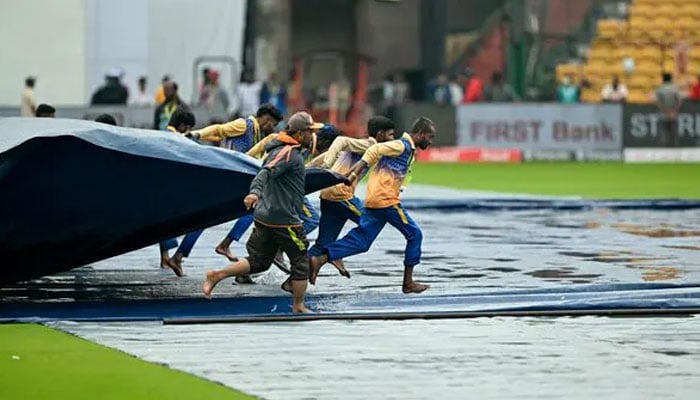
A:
[(75, 192)]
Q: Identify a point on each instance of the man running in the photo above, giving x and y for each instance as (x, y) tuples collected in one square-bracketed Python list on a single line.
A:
[(393, 160), (323, 136), (239, 135), (277, 195), (339, 203), (181, 121)]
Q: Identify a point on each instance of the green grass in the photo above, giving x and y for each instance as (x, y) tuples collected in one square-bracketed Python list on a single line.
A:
[(592, 180), (55, 365)]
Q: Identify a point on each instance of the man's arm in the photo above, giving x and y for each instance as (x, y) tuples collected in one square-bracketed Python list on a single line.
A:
[(341, 144), (259, 149), (219, 132), (393, 148)]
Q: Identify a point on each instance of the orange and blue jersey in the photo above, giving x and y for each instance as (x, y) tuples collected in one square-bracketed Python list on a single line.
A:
[(393, 161), (240, 134), (343, 154), (338, 203), (382, 205)]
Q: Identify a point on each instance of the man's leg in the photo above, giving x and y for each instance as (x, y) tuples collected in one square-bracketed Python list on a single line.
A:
[(294, 244), (188, 242), (234, 235), (399, 219), (332, 221), (357, 241), (309, 216), (165, 247), (261, 250)]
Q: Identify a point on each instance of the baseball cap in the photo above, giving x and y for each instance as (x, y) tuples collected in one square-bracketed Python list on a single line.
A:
[(302, 121)]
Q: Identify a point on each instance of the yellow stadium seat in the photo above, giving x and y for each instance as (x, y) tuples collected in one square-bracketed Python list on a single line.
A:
[(639, 97), (639, 24), (639, 81), (642, 10), (665, 11), (691, 10), (650, 53), (662, 24), (648, 68)]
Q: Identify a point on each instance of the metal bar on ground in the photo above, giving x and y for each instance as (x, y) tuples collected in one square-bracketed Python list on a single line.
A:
[(398, 316)]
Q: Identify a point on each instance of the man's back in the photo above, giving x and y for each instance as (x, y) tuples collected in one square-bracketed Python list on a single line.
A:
[(668, 99), (280, 184)]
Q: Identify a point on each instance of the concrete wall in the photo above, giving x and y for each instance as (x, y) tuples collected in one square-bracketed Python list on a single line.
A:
[(70, 44), (389, 32), (46, 39)]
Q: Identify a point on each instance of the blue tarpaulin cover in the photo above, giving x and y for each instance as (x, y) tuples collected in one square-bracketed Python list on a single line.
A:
[(74, 192)]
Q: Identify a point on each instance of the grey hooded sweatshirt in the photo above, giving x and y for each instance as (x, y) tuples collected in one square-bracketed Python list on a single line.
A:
[(280, 184)]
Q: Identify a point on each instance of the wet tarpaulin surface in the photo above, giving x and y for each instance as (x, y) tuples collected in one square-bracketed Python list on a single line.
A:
[(591, 298), (75, 192), (467, 255)]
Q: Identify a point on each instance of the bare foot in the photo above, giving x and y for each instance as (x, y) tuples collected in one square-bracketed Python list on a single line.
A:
[(164, 262), (340, 266), (300, 309), (415, 288), (226, 252), (315, 264), (175, 263), (209, 283)]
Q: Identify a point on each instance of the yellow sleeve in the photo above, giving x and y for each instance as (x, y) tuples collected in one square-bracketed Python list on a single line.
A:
[(258, 150), (341, 144), (219, 132), (393, 148)]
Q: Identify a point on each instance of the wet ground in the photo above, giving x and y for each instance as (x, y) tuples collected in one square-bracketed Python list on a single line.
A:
[(484, 358)]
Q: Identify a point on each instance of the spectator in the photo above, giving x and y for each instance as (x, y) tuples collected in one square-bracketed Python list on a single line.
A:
[(614, 92), (248, 94), (28, 108), (499, 91), (274, 93), (439, 90), (568, 92), (159, 97), (142, 99), (395, 91), (668, 99), (112, 92), (456, 91), (204, 87), (167, 108), (473, 87), (45, 111), (695, 90), (106, 119), (212, 96)]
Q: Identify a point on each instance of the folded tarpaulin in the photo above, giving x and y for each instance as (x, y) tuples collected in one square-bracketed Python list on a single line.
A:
[(74, 192)]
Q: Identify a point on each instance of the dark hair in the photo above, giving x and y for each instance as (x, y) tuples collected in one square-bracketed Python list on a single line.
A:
[(379, 123), (325, 137), (269, 109), (43, 109), (496, 77), (667, 77), (181, 116), (30, 81), (423, 125), (106, 119), (142, 79)]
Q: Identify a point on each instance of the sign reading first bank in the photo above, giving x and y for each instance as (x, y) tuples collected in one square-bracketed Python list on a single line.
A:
[(541, 126)]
